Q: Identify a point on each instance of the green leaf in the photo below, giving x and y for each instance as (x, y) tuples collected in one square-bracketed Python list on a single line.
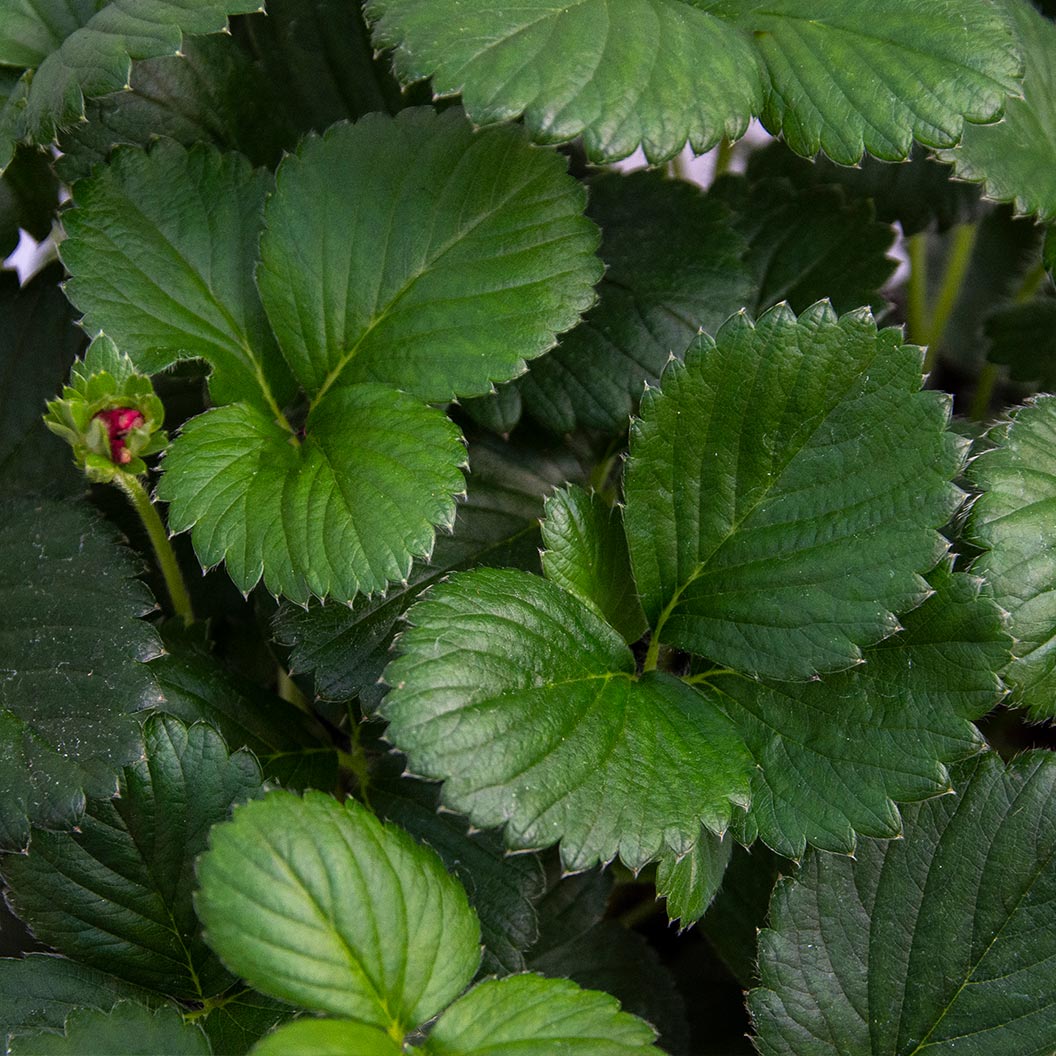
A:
[(472, 255), (84, 50), (806, 244), (1016, 158), (691, 882), (343, 512), (128, 1030), (755, 536), (116, 894), (527, 705), (619, 74), (673, 266), (533, 1016), (328, 1037), (235, 1024), (832, 756), (161, 248), (321, 904), (586, 554), (38, 991), (1012, 521), (871, 75), (72, 655), (941, 942), (1023, 337), (29, 198), (13, 89)]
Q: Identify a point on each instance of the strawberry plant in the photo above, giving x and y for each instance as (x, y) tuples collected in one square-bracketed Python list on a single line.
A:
[(462, 593)]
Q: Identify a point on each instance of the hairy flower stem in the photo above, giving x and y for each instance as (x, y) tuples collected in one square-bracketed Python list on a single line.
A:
[(159, 539)]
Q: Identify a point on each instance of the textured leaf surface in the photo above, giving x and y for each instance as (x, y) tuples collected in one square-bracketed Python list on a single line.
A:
[(691, 882), (343, 512), (328, 1037), (320, 904), (941, 942), (116, 895), (834, 755), (128, 1030), (586, 554), (525, 703), (1016, 159), (756, 537), (461, 254), (874, 74), (72, 655), (619, 74), (1013, 521), (673, 266), (537, 1017)]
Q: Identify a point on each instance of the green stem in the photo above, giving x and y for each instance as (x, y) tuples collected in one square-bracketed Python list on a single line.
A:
[(159, 539), (290, 692), (355, 761), (952, 281), (723, 157), (1029, 286), (984, 389), (917, 294)]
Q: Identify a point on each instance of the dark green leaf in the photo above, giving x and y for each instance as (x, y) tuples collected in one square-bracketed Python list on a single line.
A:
[(527, 704), (237, 1023), (320, 904), (328, 1037), (690, 883), (1023, 337), (941, 942), (116, 894), (572, 905), (758, 539), (29, 198), (673, 266), (72, 655)]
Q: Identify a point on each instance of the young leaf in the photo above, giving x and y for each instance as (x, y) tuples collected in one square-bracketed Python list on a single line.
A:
[(526, 704), (1012, 521), (319, 903), (757, 535), (536, 1017), (940, 942), (116, 895), (343, 512), (1015, 159), (619, 74), (128, 1030), (72, 664), (461, 255), (834, 755), (691, 882), (328, 1037)]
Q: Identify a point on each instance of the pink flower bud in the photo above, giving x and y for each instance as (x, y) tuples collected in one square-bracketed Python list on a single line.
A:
[(119, 420)]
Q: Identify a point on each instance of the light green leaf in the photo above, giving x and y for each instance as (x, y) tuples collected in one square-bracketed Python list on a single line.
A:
[(345, 511), (537, 1017), (691, 882), (72, 655), (161, 248), (939, 943), (873, 74), (116, 894), (327, 1037), (1012, 521), (128, 1030), (619, 74), (757, 536), (673, 264), (461, 255), (1015, 160), (527, 705), (834, 756), (320, 904)]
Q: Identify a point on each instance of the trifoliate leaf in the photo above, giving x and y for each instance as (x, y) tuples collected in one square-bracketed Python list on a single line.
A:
[(619, 74), (527, 705), (328, 1037), (128, 1030), (757, 535), (1023, 337), (161, 248), (116, 894), (834, 756), (536, 1017), (691, 882), (863, 75), (1015, 159), (1012, 520), (319, 903), (84, 49), (72, 656), (342, 512), (941, 942), (673, 266), (470, 256), (586, 554)]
